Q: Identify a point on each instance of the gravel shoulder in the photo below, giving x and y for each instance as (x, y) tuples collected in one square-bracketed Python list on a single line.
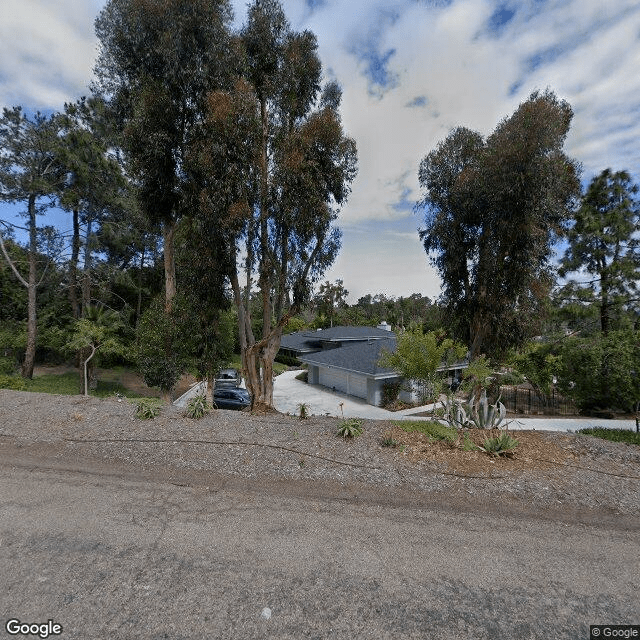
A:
[(555, 475)]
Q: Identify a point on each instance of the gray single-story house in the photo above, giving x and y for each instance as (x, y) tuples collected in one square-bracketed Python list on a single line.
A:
[(345, 359)]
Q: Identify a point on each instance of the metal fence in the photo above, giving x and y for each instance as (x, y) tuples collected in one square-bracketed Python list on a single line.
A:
[(527, 401)]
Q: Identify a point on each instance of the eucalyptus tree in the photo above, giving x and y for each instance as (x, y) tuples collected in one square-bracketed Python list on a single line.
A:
[(31, 174), (300, 174), (493, 208), (604, 247), (158, 61)]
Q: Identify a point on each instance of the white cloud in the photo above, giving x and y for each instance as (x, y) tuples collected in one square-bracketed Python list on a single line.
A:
[(442, 57), (47, 50)]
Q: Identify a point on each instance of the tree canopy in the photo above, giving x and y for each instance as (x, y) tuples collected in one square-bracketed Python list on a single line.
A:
[(603, 256), (492, 210)]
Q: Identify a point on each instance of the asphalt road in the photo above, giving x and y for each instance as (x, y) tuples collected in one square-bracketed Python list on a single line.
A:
[(111, 555)]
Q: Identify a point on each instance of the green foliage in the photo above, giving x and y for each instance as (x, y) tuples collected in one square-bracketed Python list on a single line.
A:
[(160, 359), (329, 299), (467, 444), (17, 383), (390, 391), (435, 430), (615, 435), (511, 378), (539, 364), (492, 209), (301, 170), (418, 356), (603, 244), (99, 331), (146, 409), (294, 324), (197, 407), (8, 366), (350, 428), (388, 441), (303, 409), (477, 375), (601, 372), (502, 445), (303, 376), (476, 413)]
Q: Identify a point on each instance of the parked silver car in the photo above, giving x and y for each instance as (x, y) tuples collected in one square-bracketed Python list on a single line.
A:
[(228, 378)]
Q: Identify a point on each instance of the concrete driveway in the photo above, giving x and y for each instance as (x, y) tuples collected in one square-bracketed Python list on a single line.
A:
[(288, 393)]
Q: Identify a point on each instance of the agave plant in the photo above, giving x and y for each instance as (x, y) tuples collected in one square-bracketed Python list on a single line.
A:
[(455, 414), (198, 406), (503, 445), (485, 415), (478, 414), (350, 428)]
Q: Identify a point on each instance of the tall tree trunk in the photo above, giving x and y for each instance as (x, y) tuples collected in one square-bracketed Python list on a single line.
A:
[(605, 303), (139, 303), (86, 269), (73, 267), (32, 321), (169, 231), (265, 262)]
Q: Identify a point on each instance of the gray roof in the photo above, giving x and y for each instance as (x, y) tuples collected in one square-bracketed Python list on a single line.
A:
[(305, 341), (348, 333), (298, 341), (361, 357)]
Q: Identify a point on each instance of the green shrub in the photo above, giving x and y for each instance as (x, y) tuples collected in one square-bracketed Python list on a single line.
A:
[(7, 366), (511, 379), (600, 372), (350, 428), (388, 441), (615, 435), (146, 409), (197, 407), (303, 408), (303, 375), (16, 383), (502, 445), (467, 444), (390, 392)]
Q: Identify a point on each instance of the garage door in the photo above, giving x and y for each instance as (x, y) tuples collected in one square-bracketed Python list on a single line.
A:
[(357, 385), (333, 378)]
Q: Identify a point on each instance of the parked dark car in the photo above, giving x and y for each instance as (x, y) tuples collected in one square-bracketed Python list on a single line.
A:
[(231, 398)]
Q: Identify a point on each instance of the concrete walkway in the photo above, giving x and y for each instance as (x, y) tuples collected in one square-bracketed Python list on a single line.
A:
[(288, 393)]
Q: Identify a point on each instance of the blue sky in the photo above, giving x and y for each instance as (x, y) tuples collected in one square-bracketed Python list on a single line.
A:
[(411, 70)]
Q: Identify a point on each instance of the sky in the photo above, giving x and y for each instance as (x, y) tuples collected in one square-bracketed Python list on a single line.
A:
[(411, 70)]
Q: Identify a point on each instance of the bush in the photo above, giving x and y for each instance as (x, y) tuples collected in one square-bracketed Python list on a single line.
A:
[(197, 407), (157, 348), (303, 408), (388, 441), (16, 383), (7, 366), (601, 372), (350, 428), (303, 375), (146, 409), (390, 392), (503, 445), (511, 379)]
